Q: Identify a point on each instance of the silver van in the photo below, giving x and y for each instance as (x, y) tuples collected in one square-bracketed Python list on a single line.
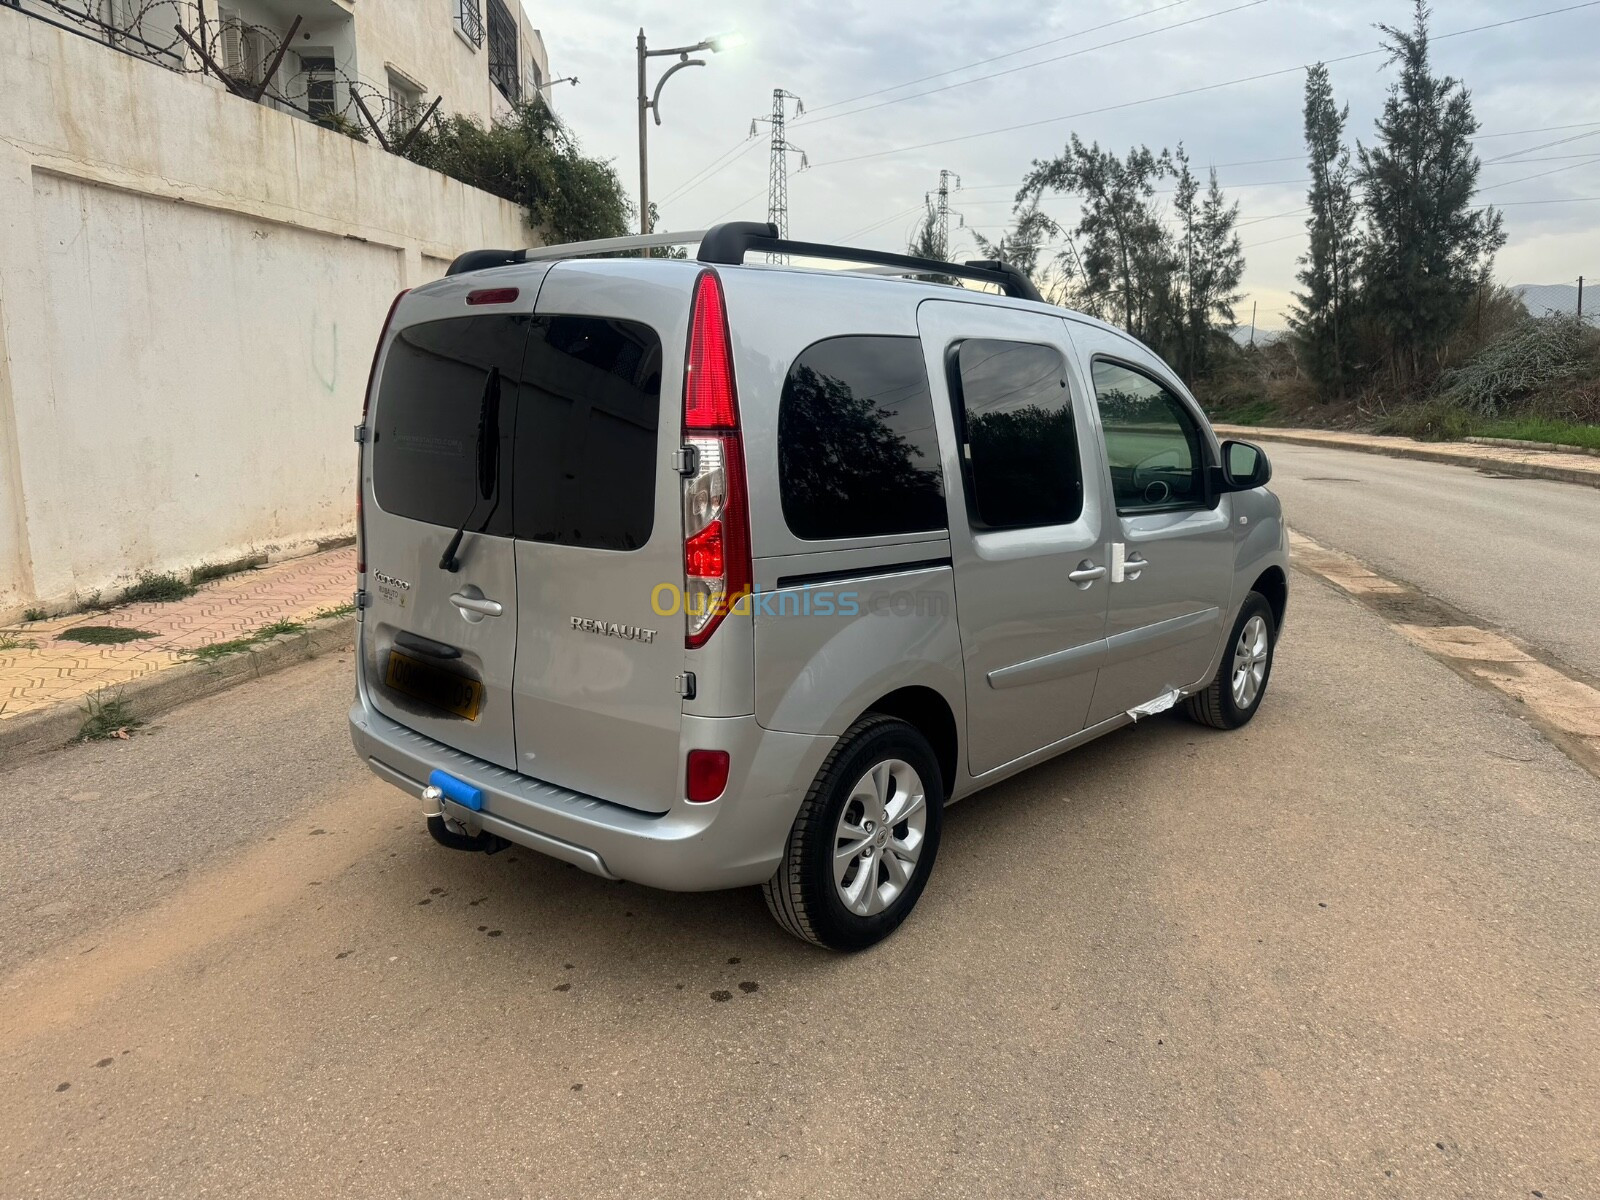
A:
[(706, 574)]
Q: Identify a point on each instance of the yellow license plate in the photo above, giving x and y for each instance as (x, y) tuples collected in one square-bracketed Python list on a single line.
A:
[(442, 689)]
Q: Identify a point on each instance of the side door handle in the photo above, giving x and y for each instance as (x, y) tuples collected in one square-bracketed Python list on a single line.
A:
[(1133, 567), (1086, 574), (476, 604)]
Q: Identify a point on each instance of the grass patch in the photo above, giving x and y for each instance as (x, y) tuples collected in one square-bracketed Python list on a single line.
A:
[(337, 610), (34, 614), (1441, 421), (102, 635), (206, 572), (151, 588), (106, 717), (266, 633), (10, 642)]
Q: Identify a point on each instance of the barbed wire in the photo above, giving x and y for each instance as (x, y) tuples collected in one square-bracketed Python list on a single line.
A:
[(249, 59)]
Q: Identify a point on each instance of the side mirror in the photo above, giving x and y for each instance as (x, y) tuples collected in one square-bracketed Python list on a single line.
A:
[(1244, 466)]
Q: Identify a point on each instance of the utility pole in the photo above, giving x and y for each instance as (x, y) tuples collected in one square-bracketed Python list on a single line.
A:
[(941, 213), (650, 103), (1580, 297), (778, 170), (1252, 324)]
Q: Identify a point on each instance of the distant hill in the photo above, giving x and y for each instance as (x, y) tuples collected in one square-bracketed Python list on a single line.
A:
[(1543, 299)]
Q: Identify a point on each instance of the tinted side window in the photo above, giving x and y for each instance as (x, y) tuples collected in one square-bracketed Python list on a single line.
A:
[(440, 380), (857, 452), (1021, 446), (585, 458), (1153, 442)]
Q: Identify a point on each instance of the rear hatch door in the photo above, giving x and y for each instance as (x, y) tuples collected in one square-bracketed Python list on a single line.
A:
[(599, 532), (439, 645)]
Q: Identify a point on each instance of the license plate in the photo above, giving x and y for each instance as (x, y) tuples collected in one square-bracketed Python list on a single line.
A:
[(442, 689)]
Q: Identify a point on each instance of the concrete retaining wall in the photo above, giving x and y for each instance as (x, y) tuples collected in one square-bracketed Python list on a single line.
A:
[(190, 290)]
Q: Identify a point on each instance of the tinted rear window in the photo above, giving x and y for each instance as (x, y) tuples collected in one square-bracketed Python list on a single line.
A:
[(439, 379), (857, 452), (586, 433), (574, 402)]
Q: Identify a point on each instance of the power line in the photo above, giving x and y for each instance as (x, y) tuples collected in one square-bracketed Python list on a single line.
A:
[(1132, 37), (1149, 12), (1541, 174), (1211, 87), (738, 150)]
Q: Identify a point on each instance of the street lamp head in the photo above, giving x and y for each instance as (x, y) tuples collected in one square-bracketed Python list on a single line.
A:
[(725, 41)]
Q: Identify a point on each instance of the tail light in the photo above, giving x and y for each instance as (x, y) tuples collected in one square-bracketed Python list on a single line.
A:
[(366, 404), (716, 510)]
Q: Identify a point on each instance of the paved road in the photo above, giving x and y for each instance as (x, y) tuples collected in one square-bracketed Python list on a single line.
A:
[(1521, 554), (1349, 951)]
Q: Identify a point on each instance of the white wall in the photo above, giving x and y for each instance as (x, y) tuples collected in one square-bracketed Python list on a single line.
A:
[(190, 289)]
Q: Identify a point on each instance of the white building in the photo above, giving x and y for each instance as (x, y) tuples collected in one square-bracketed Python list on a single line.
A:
[(348, 65)]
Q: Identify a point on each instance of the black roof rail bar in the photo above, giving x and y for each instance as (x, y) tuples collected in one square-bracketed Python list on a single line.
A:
[(728, 243), (482, 260)]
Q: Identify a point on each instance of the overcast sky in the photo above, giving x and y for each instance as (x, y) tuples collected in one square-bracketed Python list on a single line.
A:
[(1533, 75)]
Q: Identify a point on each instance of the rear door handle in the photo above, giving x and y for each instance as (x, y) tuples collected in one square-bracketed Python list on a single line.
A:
[(475, 604), (1134, 567)]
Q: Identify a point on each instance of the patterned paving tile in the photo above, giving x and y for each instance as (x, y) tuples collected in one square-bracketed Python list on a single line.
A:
[(51, 671)]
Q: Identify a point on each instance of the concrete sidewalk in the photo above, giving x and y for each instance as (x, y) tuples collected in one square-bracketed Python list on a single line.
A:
[(48, 669), (1564, 466)]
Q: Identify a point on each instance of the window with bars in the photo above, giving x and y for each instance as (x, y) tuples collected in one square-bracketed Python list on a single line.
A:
[(503, 69), (469, 20)]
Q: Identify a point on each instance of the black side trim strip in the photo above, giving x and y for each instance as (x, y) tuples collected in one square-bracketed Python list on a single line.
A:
[(925, 564)]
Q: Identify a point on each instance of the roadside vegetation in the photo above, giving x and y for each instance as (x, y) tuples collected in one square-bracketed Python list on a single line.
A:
[(533, 159), (106, 716), (1396, 327), (266, 633)]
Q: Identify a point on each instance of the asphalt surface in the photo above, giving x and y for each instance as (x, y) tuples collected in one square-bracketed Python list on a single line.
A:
[(1522, 555), (1349, 950)]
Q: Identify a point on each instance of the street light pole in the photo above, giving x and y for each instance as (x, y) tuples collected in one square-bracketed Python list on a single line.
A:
[(651, 104)]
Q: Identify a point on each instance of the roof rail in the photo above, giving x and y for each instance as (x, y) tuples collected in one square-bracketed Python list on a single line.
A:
[(479, 260), (730, 242)]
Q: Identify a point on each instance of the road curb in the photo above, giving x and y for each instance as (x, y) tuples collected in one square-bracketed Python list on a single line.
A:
[(161, 691), (1422, 452)]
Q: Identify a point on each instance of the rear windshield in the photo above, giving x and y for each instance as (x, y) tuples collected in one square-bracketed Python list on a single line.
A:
[(573, 404)]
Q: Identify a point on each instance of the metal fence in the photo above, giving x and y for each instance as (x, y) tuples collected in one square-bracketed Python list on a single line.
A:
[(256, 62)]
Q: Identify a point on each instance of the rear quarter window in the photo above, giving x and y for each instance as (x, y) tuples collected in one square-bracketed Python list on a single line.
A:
[(857, 451)]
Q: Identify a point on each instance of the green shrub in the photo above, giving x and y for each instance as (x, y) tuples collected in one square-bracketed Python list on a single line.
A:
[(531, 159)]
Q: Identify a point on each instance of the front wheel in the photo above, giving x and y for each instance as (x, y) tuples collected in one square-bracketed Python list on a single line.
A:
[(1233, 697), (864, 842)]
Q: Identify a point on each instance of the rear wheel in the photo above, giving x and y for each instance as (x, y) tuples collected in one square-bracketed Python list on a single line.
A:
[(1233, 697), (864, 842)]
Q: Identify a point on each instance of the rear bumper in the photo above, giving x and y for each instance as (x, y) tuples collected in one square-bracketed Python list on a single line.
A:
[(734, 841)]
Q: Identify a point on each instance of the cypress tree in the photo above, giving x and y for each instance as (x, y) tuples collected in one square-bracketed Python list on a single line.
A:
[(1320, 316), (1427, 248)]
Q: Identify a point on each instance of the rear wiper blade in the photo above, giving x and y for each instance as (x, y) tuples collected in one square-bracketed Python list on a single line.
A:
[(487, 450)]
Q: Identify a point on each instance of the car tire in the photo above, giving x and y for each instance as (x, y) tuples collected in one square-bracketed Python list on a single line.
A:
[(1234, 696), (881, 769)]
